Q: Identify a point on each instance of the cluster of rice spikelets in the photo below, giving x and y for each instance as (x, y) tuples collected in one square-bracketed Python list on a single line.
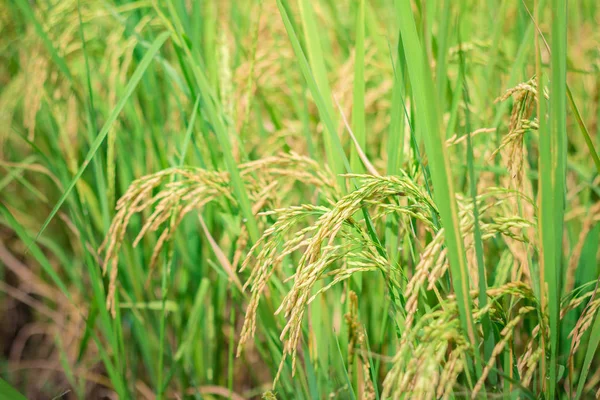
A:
[(433, 263), (415, 370), (432, 353), (335, 240), (357, 340), (182, 190), (524, 97), (337, 245), (195, 189)]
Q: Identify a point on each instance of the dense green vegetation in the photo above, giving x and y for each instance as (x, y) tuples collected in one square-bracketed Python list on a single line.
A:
[(299, 199)]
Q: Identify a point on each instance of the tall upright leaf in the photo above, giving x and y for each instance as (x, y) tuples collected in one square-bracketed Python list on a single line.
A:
[(552, 182), (428, 124), (358, 104)]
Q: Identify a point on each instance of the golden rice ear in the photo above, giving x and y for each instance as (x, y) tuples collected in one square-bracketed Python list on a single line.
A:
[(171, 194), (357, 343), (524, 96), (334, 237)]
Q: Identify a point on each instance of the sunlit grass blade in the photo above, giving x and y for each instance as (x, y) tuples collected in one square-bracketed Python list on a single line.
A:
[(552, 178), (488, 334), (344, 372), (395, 146), (591, 348), (35, 250), (324, 106), (7, 392), (358, 103), (316, 59), (546, 232), (584, 130), (441, 174), (128, 91)]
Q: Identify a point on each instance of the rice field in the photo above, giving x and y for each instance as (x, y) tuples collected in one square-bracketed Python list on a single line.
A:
[(296, 199)]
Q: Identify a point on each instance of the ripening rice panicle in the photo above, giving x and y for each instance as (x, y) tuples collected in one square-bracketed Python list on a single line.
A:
[(415, 368), (433, 263), (182, 190), (524, 99), (37, 68), (432, 353), (506, 335), (322, 248), (584, 323), (195, 189), (356, 341)]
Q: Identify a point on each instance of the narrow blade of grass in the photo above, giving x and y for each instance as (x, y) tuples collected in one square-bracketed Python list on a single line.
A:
[(7, 392), (591, 348), (133, 82), (325, 111), (316, 59), (34, 249), (584, 130), (351, 394), (488, 334), (429, 126), (358, 102), (553, 176)]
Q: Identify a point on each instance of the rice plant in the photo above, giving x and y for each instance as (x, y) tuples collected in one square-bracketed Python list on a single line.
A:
[(295, 199)]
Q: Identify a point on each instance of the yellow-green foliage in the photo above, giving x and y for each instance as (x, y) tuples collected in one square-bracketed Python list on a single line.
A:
[(187, 212)]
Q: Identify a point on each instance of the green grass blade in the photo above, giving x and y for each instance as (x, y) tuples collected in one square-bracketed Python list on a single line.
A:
[(7, 392), (488, 334), (128, 91), (546, 232), (351, 394), (358, 104), (216, 119), (591, 348), (584, 130), (37, 253), (188, 133), (325, 111), (554, 178), (316, 59), (429, 126), (398, 121)]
